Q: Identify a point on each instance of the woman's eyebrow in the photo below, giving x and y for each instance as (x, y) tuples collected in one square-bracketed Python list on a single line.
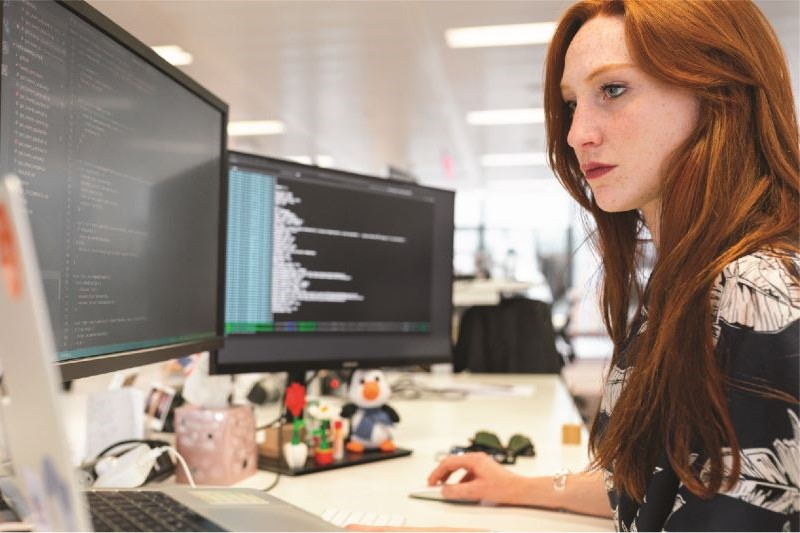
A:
[(602, 69)]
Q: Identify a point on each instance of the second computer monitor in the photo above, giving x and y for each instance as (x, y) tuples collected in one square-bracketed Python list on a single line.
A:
[(330, 269)]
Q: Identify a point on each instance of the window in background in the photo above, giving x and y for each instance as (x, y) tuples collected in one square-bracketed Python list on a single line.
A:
[(516, 230)]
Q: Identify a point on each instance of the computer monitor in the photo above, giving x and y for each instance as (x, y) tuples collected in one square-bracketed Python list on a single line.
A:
[(329, 269), (122, 159)]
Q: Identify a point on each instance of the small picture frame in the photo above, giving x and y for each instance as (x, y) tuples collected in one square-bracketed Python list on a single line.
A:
[(157, 405)]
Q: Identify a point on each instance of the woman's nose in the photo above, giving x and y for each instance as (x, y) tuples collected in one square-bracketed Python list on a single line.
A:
[(584, 129)]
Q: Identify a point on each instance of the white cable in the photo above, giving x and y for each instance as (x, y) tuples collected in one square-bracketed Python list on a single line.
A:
[(174, 453)]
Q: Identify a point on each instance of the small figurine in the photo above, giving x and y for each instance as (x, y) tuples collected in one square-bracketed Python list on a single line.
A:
[(295, 452), (323, 413), (338, 440), (372, 419)]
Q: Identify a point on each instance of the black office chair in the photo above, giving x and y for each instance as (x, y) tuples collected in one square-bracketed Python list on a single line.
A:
[(515, 336)]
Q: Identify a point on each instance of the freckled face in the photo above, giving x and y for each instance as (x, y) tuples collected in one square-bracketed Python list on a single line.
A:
[(625, 123)]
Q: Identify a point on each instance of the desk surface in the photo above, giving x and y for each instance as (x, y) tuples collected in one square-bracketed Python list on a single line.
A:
[(430, 426), (489, 291)]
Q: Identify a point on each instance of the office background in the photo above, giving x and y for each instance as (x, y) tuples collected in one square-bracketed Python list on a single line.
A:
[(377, 87)]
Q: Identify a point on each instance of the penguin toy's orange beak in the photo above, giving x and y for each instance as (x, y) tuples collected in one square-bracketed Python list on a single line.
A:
[(370, 390)]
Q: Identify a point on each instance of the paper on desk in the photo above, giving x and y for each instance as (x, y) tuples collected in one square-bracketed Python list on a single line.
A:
[(112, 416), (484, 389)]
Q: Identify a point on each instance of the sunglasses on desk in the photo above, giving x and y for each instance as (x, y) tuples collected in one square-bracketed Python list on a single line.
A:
[(488, 443)]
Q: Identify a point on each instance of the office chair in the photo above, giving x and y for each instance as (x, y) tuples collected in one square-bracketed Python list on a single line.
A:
[(515, 336)]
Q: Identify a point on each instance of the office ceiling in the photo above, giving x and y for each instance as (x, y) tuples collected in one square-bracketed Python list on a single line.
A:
[(372, 83)]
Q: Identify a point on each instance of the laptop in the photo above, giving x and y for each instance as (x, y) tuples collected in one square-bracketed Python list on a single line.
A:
[(39, 481)]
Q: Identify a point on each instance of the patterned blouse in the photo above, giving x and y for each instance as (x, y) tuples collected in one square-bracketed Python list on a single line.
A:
[(756, 307)]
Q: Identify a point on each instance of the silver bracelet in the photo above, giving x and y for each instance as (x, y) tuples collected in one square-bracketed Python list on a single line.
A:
[(560, 479)]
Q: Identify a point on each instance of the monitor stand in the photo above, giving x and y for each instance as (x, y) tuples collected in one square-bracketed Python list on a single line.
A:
[(278, 464)]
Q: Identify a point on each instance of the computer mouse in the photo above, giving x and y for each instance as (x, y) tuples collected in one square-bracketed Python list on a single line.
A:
[(435, 493)]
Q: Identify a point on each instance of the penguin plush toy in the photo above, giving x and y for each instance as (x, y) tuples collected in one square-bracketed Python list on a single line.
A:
[(371, 419)]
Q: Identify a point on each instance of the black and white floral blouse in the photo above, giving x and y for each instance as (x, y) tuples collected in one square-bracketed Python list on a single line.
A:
[(756, 305)]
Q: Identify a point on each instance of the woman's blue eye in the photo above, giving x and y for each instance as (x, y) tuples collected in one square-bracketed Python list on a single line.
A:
[(613, 90)]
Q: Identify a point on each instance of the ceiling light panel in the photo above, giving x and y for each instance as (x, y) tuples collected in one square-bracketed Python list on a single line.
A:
[(493, 117), (321, 160), (325, 161), (302, 159), (524, 159), (174, 54), (244, 128), (502, 35)]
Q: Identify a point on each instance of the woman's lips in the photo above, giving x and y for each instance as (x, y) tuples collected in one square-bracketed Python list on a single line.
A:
[(596, 172)]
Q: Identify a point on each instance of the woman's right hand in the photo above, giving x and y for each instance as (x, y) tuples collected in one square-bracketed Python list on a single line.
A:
[(489, 481), (485, 479)]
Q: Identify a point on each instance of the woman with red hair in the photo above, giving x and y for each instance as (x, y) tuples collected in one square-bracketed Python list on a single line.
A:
[(672, 123)]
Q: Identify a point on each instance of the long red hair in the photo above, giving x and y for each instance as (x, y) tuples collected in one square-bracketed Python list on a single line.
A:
[(731, 189)]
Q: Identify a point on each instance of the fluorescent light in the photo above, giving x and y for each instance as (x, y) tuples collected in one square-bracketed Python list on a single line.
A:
[(506, 116), (255, 127), (322, 161), (504, 35), (174, 54), (524, 159), (302, 159)]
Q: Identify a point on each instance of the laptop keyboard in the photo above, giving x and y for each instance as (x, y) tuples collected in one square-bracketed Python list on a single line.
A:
[(143, 511)]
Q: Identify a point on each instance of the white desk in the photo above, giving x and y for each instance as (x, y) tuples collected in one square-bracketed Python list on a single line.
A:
[(429, 426), (489, 291)]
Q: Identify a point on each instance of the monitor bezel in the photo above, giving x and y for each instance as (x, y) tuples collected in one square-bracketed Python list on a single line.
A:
[(380, 361), (367, 360), (84, 367)]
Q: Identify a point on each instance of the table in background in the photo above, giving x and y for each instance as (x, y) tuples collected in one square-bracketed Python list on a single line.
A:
[(467, 293)]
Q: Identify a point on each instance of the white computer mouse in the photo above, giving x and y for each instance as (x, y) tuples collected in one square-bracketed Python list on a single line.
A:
[(435, 493)]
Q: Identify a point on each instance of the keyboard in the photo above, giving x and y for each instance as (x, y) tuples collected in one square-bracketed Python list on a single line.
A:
[(143, 511), (341, 517)]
